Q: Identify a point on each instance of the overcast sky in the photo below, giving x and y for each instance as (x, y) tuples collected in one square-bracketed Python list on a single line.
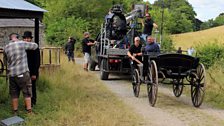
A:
[(205, 9)]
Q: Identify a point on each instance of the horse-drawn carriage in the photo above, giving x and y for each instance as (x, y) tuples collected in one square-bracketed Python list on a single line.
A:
[(171, 68)]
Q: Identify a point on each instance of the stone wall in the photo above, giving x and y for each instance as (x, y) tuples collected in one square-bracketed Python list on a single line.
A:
[(6, 31)]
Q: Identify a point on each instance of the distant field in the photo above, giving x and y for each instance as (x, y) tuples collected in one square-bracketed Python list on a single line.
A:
[(202, 37)]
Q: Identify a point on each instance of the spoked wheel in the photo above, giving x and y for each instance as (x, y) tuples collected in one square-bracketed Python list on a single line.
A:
[(178, 87), (152, 86), (198, 84), (136, 83), (1, 67)]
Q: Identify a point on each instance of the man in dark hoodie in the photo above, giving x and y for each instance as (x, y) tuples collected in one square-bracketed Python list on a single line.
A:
[(69, 48), (33, 57)]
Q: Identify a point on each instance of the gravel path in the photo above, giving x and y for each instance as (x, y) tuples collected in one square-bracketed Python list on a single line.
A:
[(169, 110)]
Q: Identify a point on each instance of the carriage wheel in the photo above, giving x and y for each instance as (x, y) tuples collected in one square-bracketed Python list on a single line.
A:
[(136, 83), (198, 86), (1, 67), (178, 87), (152, 87)]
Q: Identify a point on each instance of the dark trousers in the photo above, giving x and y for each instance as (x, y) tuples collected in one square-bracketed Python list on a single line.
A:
[(70, 55), (34, 93)]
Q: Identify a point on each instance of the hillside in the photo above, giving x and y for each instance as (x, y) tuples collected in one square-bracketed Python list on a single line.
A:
[(194, 38)]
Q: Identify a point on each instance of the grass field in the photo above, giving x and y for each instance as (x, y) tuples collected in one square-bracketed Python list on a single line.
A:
[(72, 97), (201, 37)]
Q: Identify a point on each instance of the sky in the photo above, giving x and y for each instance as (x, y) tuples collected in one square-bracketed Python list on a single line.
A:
[(205, 9)]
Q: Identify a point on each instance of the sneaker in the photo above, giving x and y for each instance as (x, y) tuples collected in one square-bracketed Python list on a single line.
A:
[(29, 111)]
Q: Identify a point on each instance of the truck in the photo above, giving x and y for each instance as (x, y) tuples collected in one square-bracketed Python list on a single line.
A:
[(116, 35)]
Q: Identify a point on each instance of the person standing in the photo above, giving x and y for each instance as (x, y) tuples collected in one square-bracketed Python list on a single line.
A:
[(18, 71), (148, 25), (86, 49), (69, 48), (190, 51), (33, 58), (179, 50)]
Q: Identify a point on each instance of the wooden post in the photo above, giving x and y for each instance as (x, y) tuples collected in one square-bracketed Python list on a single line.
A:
[(36, 31), (49, 56), (42, 56), (58, 56)]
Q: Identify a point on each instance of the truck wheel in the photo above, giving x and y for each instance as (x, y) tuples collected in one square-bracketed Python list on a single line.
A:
[(103, 68)]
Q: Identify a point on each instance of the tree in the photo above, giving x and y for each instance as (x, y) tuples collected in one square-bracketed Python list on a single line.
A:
[(182, 15)]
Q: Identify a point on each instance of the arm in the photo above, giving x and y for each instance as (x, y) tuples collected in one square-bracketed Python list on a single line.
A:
[(129, 55), (155, 25), (66, 46), (30, 45), (91, 43), (142, 21)]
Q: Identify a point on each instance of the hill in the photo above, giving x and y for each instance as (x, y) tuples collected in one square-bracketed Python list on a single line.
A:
[(201, 37)]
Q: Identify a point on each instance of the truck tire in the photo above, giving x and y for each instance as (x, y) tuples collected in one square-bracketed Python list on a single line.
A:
[(103, 68)]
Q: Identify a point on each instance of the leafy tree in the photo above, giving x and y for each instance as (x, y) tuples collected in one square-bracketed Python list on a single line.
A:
[(219, 20), (182, 15)]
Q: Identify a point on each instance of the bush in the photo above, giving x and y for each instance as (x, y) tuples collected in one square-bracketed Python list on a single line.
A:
[(210, 53), (167, 43)]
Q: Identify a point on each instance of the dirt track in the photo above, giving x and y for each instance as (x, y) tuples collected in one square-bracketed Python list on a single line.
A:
[(169, 110)]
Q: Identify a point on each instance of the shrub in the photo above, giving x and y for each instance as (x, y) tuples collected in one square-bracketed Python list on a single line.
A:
[(167, 43), (210, 53)]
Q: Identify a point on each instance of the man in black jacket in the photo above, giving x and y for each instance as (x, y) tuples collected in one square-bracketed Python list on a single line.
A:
[(33, 57), (69, 48)]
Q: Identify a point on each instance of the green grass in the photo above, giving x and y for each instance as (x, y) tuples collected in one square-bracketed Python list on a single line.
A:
[(215, 86), (71, 96)]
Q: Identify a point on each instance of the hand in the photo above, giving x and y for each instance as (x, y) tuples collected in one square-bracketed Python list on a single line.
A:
[(133, 58), (135, 54), (33, 77)]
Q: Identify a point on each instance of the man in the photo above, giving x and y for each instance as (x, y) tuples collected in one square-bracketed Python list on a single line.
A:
[(86, 49), (136, 55), (148, 25), (18, 71), (33, 57), (69, 48), (179, 50), (151, 45), (190, 51)]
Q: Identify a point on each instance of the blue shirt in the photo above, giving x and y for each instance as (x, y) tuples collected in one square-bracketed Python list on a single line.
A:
[(153, 47)]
